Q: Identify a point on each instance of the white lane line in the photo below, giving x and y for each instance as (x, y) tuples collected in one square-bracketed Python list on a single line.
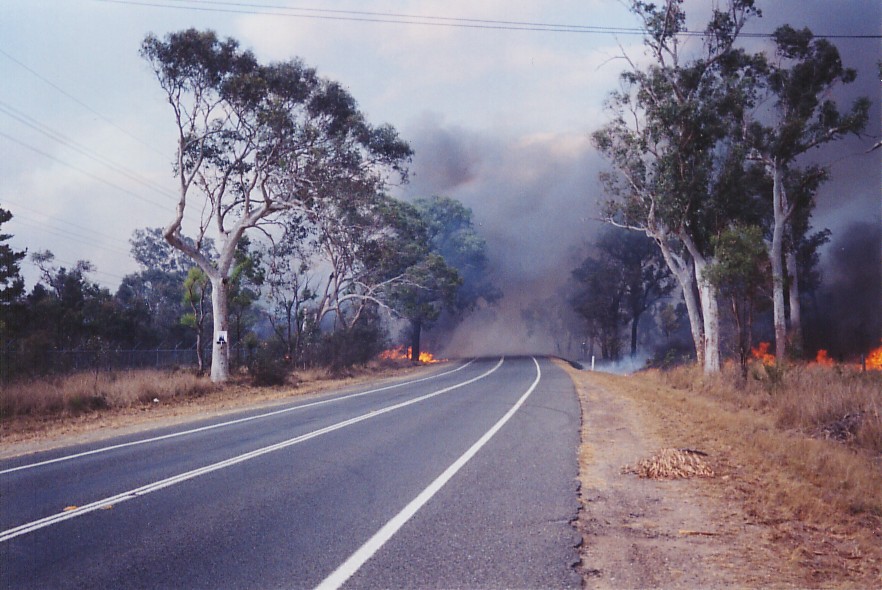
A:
[(339, 576), (223, 424), (170, 481)]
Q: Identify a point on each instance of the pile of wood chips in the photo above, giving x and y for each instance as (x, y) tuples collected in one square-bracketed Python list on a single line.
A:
[(672, 464)]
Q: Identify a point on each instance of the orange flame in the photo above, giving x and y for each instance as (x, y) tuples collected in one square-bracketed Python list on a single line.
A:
[(402, 353), (874, 359), (823, 359), (761, 353)]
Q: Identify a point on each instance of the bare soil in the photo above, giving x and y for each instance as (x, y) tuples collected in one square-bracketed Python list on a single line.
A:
[(708, 532)]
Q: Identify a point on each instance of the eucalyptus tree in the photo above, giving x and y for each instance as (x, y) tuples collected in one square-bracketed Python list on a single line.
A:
[(363, 243), (157, 285), (290, 289), (619, 281), (197, 289), (456, 271), (741, 273), (670, 141), (452, 234), (800, 79), (11, 282), (255, 142)]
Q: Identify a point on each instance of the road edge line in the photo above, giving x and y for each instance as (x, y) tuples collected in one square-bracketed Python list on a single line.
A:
[(349, 567), (222, 424)]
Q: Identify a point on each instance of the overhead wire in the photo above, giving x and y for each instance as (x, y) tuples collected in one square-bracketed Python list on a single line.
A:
[(89, 231), (44, 227), (231, 7), (59, 137), (70, 96), (84, 172)]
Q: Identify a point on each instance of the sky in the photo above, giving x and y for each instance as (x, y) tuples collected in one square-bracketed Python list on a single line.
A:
[(498, 118)]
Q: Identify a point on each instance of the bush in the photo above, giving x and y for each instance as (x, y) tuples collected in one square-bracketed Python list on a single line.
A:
[(267, 368)]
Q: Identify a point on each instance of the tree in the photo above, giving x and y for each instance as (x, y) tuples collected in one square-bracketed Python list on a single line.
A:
[(452, 235), (619, 282), (431, 286), (460, 284), (11, 283), (68, 310), (670, 145), (741, 272), (256, 142), (599, 301), (156, 287), (800, 81), (245, 281), (152, 252), (197, 287), (290, 290)]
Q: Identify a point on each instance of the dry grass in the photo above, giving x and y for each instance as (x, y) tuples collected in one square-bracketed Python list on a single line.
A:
[(47, 413), (818, 498), (671, 464), (87, 392), (840, 403), (80, 393)]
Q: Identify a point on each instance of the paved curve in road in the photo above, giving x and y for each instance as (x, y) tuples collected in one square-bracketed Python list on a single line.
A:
[(465, 479)]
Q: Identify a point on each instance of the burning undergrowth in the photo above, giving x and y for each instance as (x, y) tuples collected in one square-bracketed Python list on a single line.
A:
[(402, 353), (829, 400)]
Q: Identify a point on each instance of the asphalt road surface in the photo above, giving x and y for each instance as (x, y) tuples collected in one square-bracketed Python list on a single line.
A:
[(462, 479)]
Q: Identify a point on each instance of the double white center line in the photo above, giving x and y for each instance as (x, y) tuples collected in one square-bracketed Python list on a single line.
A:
[(170, 481)]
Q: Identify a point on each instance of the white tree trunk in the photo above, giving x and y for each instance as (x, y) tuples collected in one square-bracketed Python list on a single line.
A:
[(795, 333), (220, 350), (776, 258), (686, 278), (710, 310), (710, 313)]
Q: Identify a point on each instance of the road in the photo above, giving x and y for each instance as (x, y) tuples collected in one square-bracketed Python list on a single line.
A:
[(465, 478)]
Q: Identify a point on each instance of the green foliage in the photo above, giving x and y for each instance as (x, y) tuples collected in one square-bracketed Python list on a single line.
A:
[(452, 235), (11, 283), (623, 278), (341, 349), (741, 265), (267, 367)]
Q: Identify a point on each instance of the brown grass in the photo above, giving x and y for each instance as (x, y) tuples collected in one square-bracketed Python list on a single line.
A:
[(47, 413), (671, 464), (87, 392), (840, 403), (80, 393), (819, 498)]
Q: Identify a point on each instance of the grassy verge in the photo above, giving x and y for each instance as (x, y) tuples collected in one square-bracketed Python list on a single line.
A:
[(46, 409), (818, 500)]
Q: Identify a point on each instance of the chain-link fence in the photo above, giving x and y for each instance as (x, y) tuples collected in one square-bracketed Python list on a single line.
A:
[(13, 364)]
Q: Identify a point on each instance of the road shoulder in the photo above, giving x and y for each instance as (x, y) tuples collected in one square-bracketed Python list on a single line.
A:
[(640, 533)]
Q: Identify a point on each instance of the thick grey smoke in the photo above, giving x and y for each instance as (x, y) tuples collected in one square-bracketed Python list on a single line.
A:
[(534, 197), (533, 200)]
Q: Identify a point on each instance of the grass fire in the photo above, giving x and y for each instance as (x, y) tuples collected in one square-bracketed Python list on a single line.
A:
[(404, 353)]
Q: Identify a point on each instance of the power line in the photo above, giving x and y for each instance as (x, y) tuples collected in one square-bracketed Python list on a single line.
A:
[(42, 226), (82, 171), (90, 233), (77, 100), (59, 137), (218, 6)]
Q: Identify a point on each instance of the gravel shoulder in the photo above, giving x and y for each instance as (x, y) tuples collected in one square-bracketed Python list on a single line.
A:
[(649, 533)]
